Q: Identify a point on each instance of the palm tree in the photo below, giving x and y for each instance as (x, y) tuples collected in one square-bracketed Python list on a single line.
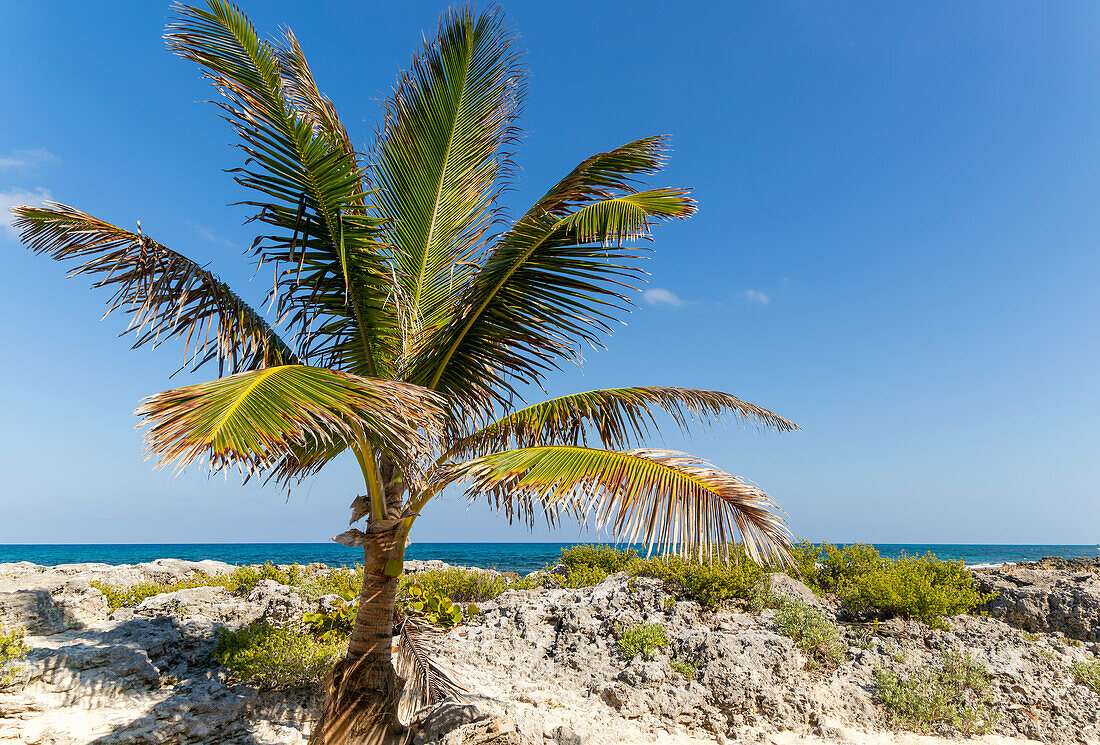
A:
[(409, 324)]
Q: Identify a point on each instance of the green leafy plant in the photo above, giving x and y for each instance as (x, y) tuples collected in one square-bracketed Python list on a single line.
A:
[(643, 638), (607, 558), (277, 657), (12, 649), (955, 693), (460, 585), (1088, 674), (584, 575), (335, 624), (681, 667), (438, 610), (346, 582), (707, 584), (924, 588), (819, 638), (128, 596)]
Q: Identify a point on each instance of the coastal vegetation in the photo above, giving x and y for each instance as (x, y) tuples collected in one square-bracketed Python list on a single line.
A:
[(820, 639), (241, 581), (1088, 674), (955, 693), (277, 657), (12, 649), (410, 326), (642, 638)]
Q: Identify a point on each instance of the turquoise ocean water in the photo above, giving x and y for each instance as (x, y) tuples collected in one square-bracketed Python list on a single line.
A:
[(516, 557)]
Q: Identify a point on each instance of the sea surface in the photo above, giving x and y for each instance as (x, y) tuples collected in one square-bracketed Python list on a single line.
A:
[(515, 557)]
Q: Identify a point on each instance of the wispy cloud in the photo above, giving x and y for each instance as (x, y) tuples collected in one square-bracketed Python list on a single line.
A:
[(21, 159), (756, 296), (206, 234), (661, 296), (14, 197)]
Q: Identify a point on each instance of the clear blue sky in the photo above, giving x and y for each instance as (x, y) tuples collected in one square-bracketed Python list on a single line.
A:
[(897, 247)]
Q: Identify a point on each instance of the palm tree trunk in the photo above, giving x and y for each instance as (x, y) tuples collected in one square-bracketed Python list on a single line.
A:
[(362, 690)]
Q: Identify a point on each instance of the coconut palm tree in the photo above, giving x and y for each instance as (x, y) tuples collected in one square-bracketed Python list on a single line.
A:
[(413, 316)]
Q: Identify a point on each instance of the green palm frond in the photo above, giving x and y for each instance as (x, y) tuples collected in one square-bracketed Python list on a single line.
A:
[(258, 421), (426, 681), (558, 279), (666, 499), (332, 277), (167, 295), (443, 153), (620, 418)]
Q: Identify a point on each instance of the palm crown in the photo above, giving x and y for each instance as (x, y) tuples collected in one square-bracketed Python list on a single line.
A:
[(408, 321)]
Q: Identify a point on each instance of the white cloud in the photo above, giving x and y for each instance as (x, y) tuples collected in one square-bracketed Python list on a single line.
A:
[(661, 296), (28, 158), (17, 196), (757, 296), (204, 232)]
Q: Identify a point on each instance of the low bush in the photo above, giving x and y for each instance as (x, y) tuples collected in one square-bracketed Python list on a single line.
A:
[(955, 693), (819, 638), (347, 582), (336, 623), (923, 588), (127, 596), (585, 575), (1088, 674), (12, 649), (277, 657), (606, 558), (644, 639), (460, 585), (707, 584), (241, 581), (244, 579), (683, 668)]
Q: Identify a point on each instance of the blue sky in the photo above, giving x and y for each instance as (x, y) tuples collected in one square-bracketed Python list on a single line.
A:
[(896, 248)]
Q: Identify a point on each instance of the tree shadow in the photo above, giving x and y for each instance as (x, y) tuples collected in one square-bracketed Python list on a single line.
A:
[(162, 671)]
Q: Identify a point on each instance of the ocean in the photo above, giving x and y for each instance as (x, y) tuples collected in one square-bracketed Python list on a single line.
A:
[(515, 557)]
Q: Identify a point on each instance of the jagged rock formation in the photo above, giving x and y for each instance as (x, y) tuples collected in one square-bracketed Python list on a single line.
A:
[(1045, 600), (541, 667)]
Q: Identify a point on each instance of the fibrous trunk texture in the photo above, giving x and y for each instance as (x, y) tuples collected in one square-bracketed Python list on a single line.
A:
[(361, 692)]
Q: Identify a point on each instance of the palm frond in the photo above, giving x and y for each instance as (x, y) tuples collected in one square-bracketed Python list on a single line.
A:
[(258, 422), (167, 295), (332, 277), (557, 280), (666, 499), (441, 156), (426, 681), (620, 418)]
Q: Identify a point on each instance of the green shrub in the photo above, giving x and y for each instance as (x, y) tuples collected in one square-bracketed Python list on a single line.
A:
[(277, 657), (460, 585), (807, 564), (244, 579), (127, 596), (819, 638), (644, 639), (707, 584), (1088, 674), (606, 558), (685, 669), (436, 609), (347, 582), (585, 575), (956, 693), (335, 624), (12, 648), (924, 588)]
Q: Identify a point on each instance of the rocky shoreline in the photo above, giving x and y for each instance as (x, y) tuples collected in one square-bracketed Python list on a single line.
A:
[(541, 666)]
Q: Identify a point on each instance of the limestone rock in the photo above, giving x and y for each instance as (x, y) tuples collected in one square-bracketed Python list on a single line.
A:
[(1045, 600)]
